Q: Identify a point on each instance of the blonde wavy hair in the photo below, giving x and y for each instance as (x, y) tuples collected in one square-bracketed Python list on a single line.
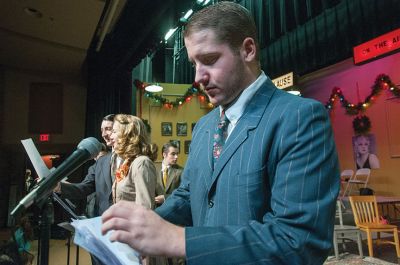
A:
[(133, 138)]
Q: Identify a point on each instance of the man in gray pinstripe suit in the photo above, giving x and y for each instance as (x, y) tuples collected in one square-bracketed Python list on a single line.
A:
[(270, 196)]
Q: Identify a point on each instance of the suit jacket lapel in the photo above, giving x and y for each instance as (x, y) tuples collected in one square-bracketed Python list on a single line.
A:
[(171, 176), (210, 136), (205, 144), (106, 167), (249, 121)]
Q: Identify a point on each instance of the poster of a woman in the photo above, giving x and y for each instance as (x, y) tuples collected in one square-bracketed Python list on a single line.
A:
[(364, 149)]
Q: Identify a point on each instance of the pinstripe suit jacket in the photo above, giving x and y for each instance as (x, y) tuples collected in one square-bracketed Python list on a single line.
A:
[(271, 196)]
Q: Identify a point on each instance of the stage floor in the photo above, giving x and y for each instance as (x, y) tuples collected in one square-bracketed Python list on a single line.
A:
[(58, 253)]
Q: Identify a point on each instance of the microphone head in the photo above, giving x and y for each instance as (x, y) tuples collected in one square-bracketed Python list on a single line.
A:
[(92, 145)]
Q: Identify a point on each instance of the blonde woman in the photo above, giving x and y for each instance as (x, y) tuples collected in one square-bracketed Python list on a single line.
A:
[(135, 173), (364, 157)]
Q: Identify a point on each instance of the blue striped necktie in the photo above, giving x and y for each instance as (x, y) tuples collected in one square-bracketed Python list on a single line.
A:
[(220, 136)]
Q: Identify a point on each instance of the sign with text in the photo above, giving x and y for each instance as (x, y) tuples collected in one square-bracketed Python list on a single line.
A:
[(284, 81), (383, 44), (44, 137)]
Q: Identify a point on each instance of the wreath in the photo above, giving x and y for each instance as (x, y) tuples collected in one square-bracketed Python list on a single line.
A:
[(361, 124)]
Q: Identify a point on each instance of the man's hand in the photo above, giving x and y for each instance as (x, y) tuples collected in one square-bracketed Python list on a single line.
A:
[(159, 199), (143, 230)]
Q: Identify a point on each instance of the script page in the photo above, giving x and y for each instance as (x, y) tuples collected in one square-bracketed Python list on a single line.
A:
[(88, 236)]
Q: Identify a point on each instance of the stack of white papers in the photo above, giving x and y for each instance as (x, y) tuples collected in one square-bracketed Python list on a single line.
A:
[(88, 236)]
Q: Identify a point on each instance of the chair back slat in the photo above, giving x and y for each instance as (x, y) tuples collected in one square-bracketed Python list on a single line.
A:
[(362, 174), (347, 173), (363, 171)]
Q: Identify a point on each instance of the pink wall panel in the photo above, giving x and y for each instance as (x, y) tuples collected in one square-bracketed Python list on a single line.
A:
[(348, 77)]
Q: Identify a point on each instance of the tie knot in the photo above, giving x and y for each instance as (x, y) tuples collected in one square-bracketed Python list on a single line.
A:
[(223, 119)]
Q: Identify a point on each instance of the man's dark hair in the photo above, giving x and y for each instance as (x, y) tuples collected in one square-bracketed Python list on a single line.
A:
[(167, 146), (109, 117), (231, 23)]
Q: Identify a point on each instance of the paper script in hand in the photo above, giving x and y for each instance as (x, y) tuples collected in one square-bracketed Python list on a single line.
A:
[(88, 236)]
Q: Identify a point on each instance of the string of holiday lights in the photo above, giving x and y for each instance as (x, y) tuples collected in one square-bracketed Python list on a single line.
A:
[(382, 82), (361, 123), (193, 91)]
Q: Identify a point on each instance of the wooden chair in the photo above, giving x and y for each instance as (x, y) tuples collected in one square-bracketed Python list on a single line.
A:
[(366, 217), (345, 233)]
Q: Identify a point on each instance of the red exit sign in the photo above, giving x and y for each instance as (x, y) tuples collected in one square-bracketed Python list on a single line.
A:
[(45, 137), (386, 43)]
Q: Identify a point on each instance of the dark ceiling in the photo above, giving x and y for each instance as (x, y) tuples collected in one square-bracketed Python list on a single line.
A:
[(138, 32)]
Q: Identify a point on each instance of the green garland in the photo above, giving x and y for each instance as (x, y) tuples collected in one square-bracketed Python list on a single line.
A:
[(192, 91), (362, 124), (382, 82)]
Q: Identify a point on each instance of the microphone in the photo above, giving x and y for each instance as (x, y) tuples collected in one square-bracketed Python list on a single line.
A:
[(87, 149)]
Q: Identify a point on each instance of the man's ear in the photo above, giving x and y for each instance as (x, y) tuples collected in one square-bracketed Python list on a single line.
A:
[(249, 49)]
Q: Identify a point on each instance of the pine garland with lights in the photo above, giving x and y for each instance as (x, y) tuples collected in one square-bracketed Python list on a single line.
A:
[(362, 124), (382, 82), (191, 92)]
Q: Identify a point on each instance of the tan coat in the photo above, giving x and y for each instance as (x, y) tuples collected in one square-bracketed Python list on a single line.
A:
[(139, 184)]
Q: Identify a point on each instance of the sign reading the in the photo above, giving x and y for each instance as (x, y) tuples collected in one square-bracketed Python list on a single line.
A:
[(376, 47)]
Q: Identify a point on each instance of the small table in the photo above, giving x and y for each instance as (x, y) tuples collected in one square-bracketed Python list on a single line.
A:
[(386, 203)]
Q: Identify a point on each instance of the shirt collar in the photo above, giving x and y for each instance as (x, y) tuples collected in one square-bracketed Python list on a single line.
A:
[(163, 166), (234, 112)]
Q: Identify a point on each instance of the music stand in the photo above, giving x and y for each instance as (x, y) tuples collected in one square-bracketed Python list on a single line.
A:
[(68, 207)]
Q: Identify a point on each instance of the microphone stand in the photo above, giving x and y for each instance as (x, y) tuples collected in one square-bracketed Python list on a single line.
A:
[(87, 148), (46, 220)]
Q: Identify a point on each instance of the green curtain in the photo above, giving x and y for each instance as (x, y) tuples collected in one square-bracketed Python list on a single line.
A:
[(305, 35)]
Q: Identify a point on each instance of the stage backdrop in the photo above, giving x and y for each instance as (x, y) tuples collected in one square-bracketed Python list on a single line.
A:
[(171, 124), (356, 83)]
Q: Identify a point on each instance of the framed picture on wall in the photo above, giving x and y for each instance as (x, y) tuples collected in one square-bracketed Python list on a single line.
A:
[(186, 146), (177, 143), (193, 124), (166, 128), (181, 129), (364, 150)]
